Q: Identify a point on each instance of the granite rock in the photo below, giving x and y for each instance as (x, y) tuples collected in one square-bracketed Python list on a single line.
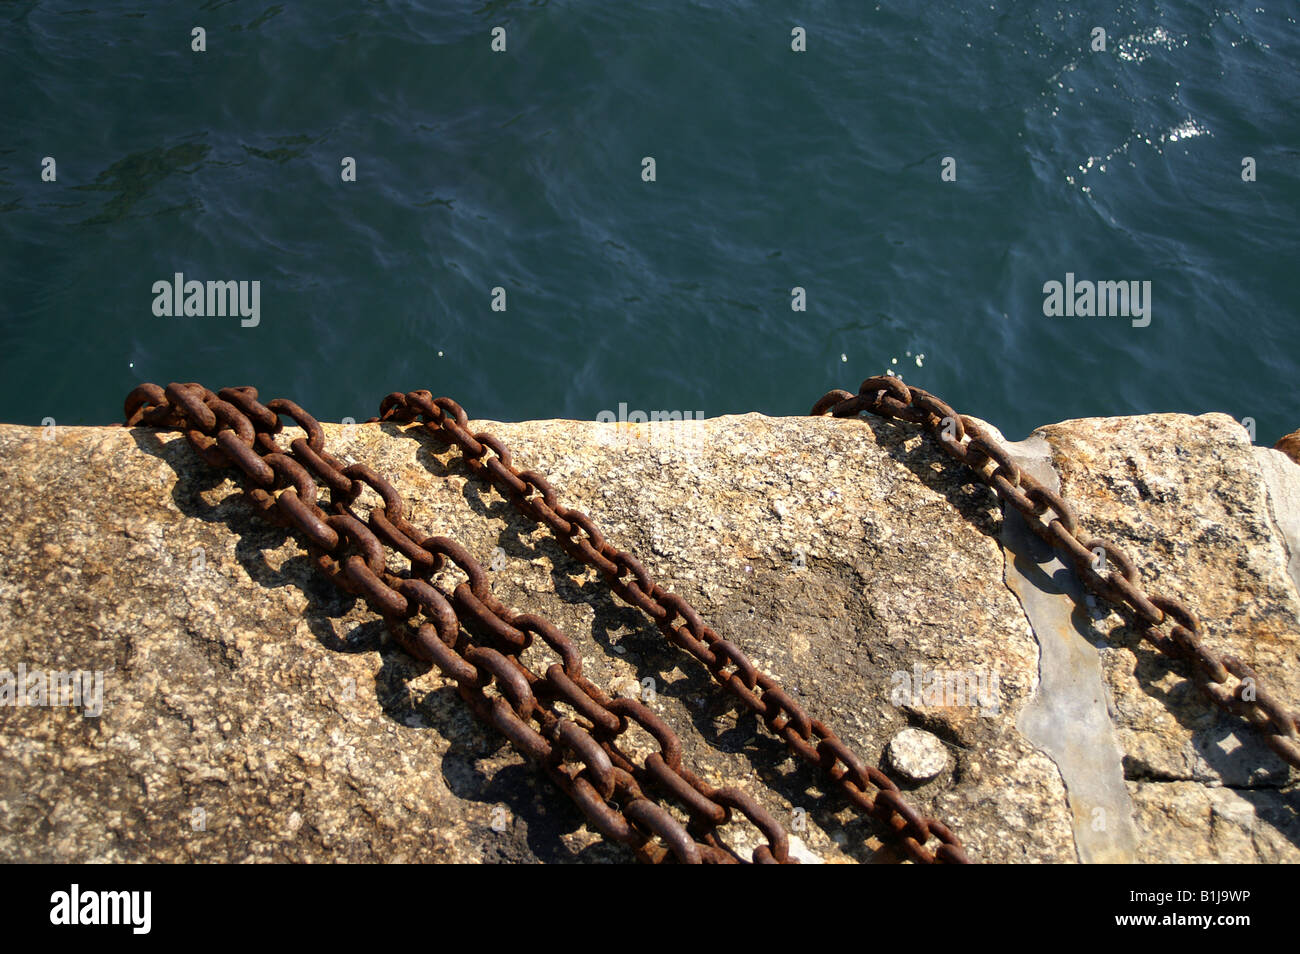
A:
[(251, 712)]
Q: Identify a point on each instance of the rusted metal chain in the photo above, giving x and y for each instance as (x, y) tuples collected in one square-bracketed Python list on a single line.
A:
[(866, 787), (1052, 519), (477, 642), (470, 636)]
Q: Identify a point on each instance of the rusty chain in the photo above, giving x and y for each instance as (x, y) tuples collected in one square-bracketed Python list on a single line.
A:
[(867, 788), (1052, 519), (468, 634), (477, 642)]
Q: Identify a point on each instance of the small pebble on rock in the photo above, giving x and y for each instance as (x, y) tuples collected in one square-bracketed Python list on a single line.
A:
[(917, 755)]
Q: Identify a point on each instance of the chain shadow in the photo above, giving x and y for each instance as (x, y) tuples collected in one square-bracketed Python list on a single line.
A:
[(326, 604), (697, 693)]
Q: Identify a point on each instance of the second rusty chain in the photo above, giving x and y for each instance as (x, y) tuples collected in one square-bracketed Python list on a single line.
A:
[(232, 428), (963, 439), (865, 786)]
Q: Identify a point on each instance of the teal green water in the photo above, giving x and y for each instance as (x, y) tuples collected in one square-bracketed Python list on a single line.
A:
[(775, 169)]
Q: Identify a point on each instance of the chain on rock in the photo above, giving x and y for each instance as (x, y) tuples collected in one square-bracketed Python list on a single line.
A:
[(557, 719)]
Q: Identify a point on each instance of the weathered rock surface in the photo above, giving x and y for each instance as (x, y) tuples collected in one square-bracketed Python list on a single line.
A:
[(252, 712)]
